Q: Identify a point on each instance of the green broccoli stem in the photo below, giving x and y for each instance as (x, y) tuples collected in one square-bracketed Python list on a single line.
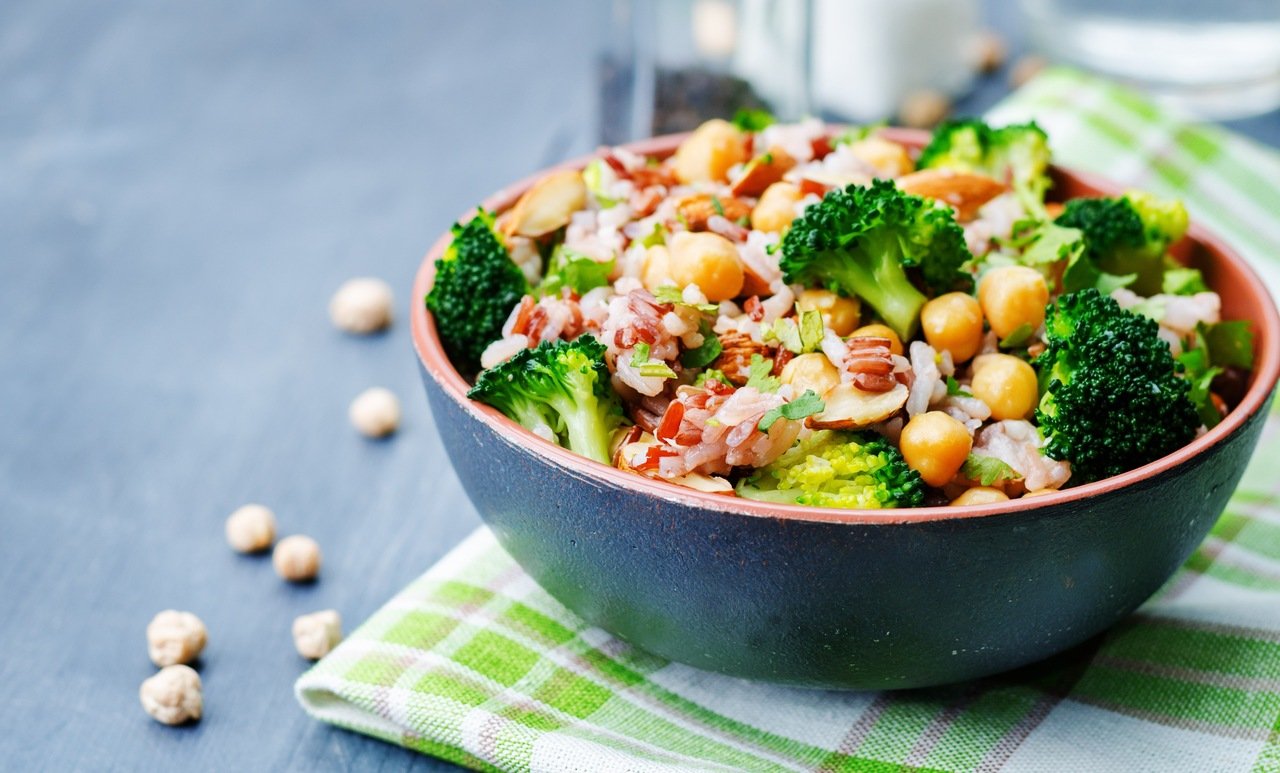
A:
[(884, 285), (589, 432)]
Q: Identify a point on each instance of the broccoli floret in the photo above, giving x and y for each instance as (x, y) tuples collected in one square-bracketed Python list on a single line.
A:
[(1113, 397), (1129, 235), (475, 288), (861, 240), (561, 387), (1017, 155), (838, 469)]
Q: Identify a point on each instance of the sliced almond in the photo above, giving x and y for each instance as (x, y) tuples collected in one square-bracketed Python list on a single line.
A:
[(753, 283), (548, 205), (848, 407), (762, 171), (697, 210), (965, 191), (828, 180), (710, 484)]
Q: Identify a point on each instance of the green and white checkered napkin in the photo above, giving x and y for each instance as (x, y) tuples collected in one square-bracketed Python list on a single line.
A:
[(476, 664)]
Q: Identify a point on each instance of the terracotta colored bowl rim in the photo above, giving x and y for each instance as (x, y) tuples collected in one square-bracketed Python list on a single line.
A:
[(431, 353)]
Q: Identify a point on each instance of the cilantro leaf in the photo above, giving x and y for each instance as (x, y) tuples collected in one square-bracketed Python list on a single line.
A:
[(574, 270), (711, 374), (955, 390), (761, 377), (800, 338), (753, 120), (1018, 337), (672, 294), (806, 404), (705, 354), (647, 367), (987, 469), (658, 236), (1230, 343)]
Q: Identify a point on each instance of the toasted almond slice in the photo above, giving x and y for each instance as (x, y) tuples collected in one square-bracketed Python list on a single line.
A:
[(965, 191), (710, 484), (548, 205), (753, 283), (848, 407), (829, 180), (762, 171), (698, 209)]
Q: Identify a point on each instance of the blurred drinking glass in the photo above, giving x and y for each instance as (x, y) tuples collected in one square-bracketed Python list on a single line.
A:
[(1211, 58)]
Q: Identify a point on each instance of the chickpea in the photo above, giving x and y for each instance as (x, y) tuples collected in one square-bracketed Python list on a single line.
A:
[(980, 495), (656, 271), (375, 412), (878, 330), (251, 528), (1013, 296), (776, 208), (175, 638), (935, 445), (173, 696), (315, 635), (1006, 384), (709, 261), (1040, 492), (810, 371), (838, 313), (362, 306), (296, 558), (953, 322), (887, 158), (708, 153)]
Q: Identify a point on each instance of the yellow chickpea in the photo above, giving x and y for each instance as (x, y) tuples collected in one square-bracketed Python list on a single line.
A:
[(1013, 296), (776, 208), (838, 313), (878, 330), (810, 371), (1040, 492), (953, 323), (656, 271), (935, 445), (887, 158), (980, 495), (708, 260), (1006, 384), (708, 153)]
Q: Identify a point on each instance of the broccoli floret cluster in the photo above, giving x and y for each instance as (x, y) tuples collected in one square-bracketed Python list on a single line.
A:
[(1017, 154), (1113, 399), (561, 388), (476, 286), (838, 469), (862, 240), (1129, 236)]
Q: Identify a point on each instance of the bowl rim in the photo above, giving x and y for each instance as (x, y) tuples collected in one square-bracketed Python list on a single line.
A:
[(431, 356)]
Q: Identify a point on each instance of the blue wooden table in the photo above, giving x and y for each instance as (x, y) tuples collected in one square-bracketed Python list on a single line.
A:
[(181, 190)]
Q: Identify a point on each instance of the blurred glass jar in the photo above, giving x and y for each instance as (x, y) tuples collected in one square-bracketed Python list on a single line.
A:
[(1213, 59), (673, 64)]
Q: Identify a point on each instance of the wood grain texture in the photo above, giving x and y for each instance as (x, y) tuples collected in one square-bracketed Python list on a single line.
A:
[(182, 187)]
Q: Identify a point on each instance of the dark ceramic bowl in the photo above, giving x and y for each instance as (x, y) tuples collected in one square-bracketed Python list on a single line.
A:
[(841, 598)]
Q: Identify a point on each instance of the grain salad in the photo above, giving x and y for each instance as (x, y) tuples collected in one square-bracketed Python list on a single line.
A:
[(804, 315)]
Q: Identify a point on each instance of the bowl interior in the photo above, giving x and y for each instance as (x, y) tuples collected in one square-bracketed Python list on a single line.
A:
[(1244, 296)]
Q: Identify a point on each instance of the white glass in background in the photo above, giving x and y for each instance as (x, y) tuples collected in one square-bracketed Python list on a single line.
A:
[(675, 63), (869, 55), (1211, 58), (671, 64)]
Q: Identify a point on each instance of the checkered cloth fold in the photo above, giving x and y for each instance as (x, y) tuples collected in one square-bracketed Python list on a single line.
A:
[(475, 663)]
